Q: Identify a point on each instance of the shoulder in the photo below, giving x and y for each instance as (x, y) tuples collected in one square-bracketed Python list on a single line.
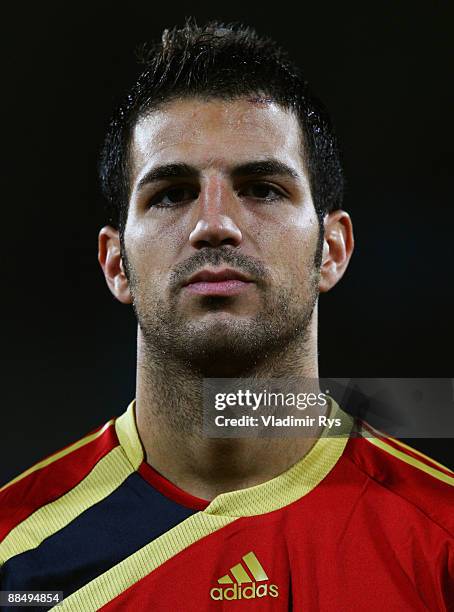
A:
[(54, 476), (413, 478)]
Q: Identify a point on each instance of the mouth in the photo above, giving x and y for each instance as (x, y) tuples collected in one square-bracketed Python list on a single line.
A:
[(221, 282)]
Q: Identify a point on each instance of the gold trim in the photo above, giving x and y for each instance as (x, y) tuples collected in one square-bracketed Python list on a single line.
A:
[(255, 567), (423, 467), (125, 426), (366, 433), (240, 574), (225, 580), (38, 466), (104, 478), (112, 583), (293, 484)]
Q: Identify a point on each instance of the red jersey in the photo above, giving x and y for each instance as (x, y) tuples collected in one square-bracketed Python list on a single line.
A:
[(362, 522)]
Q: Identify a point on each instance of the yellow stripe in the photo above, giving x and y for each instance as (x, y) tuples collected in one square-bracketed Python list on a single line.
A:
[(293, 484), (109, 585), (403, 445), (105, 477), (225, 580), (255, 566), (240, 574), (60, 454), (126, 429), (411, 460)]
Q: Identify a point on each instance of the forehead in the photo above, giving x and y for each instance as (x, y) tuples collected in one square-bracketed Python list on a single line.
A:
[(215, 132)]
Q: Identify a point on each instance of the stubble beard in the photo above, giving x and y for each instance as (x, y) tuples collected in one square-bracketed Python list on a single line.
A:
[(177, 353), (225, 345)]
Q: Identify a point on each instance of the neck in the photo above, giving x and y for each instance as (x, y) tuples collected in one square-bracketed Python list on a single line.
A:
[(169, 421)]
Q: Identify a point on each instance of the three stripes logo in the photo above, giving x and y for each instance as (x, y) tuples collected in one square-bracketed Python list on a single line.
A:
[(246, 580)]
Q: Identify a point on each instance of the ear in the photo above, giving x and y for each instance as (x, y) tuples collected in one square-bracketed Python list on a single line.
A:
[(109, 257), (338, 246)]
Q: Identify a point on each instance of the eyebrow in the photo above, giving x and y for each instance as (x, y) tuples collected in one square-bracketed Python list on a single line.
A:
[(265, 167), (168, 171)]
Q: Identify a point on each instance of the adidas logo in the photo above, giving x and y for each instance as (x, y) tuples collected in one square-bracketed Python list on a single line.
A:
[(244, 585)]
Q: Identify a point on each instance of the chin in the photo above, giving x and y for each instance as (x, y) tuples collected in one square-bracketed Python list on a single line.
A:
[(227, 347), (221, 333)]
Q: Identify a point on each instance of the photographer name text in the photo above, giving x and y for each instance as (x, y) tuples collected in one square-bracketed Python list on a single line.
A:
[(273, 421)]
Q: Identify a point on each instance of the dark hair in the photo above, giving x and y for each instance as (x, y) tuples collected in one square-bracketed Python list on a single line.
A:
[(227, 62)]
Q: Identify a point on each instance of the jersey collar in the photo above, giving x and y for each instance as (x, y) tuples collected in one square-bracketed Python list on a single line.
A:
[(288, 487)]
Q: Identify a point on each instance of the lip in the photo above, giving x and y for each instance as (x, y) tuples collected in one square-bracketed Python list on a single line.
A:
[(222, 282)]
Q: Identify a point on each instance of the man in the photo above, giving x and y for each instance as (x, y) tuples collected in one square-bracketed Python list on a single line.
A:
[(225, 191)]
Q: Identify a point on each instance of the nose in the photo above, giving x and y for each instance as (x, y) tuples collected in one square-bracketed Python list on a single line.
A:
[(215, 225)]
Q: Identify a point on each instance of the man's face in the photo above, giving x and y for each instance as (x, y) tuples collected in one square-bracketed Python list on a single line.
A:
[(222, 234)]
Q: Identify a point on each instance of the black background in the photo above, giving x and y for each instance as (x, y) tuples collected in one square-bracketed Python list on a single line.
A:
[(383, 70)]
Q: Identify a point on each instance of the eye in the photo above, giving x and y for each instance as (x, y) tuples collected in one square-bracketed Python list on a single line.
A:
[(174, 196), (262, 191)]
